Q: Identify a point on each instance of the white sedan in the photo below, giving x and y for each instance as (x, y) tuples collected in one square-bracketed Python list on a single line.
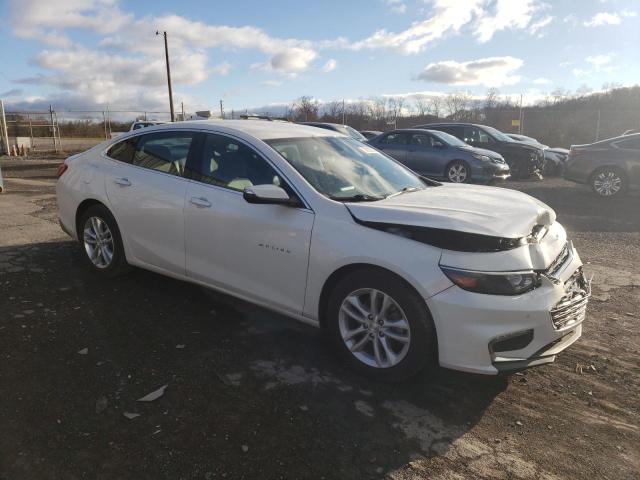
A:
[(402, 271)]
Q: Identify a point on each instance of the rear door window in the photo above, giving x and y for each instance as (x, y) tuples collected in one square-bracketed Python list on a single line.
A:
[(422, 140), (123, 151), (395, 139), (164, 151)]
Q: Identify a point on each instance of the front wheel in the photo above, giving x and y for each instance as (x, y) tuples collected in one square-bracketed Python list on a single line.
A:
[(608, 182), (380, 325), (458, 172)]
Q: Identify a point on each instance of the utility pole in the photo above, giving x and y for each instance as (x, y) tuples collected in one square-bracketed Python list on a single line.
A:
[(182, 108), (221, 111), (598, 127), (344, 121), (520, 123), (166, 56)]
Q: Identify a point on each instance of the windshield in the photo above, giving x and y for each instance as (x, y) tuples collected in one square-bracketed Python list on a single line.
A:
[(353, 133), (498, 135), (344, 169), (449, 139)]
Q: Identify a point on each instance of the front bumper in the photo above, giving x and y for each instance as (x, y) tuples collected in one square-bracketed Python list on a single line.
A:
[(491, 172), (468, 325)]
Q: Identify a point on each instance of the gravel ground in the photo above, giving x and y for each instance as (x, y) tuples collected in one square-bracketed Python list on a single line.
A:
[(251, 394)]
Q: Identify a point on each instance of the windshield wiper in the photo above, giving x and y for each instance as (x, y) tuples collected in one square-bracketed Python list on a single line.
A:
[(404, 190), (360, 197)]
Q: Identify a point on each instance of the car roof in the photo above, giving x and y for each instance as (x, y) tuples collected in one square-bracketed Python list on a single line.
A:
[(262, 129)]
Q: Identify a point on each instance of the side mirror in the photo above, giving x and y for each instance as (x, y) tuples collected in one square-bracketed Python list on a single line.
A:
[(268, 194)]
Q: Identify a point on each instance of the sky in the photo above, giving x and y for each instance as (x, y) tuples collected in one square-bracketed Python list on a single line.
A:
[(81, 54)]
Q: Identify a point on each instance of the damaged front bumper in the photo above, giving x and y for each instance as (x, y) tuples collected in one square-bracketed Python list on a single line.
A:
[(490, 334)]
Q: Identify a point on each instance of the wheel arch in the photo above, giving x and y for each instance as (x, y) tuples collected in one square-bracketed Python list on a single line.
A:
[(605, 166), (345, 270), (82, 207)]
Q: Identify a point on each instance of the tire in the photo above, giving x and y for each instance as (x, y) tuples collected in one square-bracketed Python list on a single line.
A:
[(412, 354), (106, 249), (608, 182), (458, 172), (515, 168)]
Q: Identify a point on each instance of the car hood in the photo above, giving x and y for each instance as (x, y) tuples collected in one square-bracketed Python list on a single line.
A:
[(498, 212), (480, 151)]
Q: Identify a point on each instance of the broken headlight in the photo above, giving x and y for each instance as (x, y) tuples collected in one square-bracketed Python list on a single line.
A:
[(507, 283)]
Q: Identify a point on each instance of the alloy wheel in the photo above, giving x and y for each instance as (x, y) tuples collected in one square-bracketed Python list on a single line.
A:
[(607, 183), (98, 242), (374, 328), (457, 173)]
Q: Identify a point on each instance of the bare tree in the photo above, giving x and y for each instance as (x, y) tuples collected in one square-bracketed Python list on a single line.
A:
[(421, 103), (456, 105), (306, 109), (435, 106)]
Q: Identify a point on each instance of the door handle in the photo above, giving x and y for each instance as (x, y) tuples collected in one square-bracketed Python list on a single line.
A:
[(123, 182), (200, 202)]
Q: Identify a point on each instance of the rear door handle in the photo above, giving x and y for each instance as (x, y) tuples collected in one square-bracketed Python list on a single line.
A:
[(123, 182), (200, 202)]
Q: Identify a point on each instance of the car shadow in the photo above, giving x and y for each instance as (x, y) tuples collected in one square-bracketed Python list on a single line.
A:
[(238, 376)]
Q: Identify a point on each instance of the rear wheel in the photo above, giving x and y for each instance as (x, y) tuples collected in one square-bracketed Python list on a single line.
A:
[(102, 245), (458, 172), (608, 182), (380, 325)]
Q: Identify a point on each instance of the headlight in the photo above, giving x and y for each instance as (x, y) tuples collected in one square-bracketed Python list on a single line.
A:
[(492, 283), (484, 158)]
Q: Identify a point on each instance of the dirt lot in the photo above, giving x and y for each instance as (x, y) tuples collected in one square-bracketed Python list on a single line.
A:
[(253, 395)]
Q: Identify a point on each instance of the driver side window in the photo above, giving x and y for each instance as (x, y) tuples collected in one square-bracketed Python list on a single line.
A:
[(474, 135), (228, 163)]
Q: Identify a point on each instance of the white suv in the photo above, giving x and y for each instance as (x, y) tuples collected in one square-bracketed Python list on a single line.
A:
[(401, 271)]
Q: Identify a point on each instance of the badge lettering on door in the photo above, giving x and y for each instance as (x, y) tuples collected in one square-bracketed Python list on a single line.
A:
[(274, 248)]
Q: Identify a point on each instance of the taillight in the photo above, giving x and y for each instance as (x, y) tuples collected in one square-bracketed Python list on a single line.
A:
[(63, 167), (574, 153)]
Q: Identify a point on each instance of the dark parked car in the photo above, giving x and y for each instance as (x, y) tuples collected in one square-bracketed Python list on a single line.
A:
[(370, 133), (523, 160), (610, 166), (337, 127), (555, 158), (439, 155)]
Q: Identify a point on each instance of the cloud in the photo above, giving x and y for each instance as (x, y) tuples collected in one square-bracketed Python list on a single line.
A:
[(396, 6), (271, 83), (608, 18), (221, 69), (448, 18), (491, 72), (509, 14), (14, 92), (541, 81), (599, 61), (293, 60), (330, 66), (44, 21)]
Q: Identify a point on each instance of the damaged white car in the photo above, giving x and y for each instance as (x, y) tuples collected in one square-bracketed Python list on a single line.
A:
[(401, 271)]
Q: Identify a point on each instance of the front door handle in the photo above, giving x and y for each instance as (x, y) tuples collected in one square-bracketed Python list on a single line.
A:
[(123, 182), (200, 202)]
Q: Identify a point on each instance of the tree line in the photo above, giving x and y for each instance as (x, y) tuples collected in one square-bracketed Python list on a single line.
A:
[(562, 118)]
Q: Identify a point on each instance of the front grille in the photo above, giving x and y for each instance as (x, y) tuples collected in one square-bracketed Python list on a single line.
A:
[(572, 307), (560, 261)]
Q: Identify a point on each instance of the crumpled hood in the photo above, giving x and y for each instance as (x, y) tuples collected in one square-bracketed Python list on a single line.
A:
[(498, 212)]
